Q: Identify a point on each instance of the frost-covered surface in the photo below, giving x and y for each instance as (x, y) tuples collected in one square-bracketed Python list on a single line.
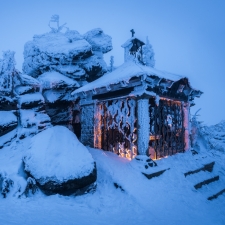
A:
[(52, 96), (168, 199), (28, 80), (29, 118), (54, 79), (56, 154), (124, 73), (7, 117), (214, 136), (23, 89), (148, 54), (7, 67), (56, 51), (143, 126), (7, 138), (99, 41), (31, 98)]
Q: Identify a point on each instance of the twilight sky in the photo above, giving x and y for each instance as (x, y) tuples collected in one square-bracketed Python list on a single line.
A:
[(188, 36)]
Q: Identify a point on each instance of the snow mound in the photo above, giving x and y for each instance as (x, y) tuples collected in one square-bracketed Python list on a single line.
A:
[(57, 155)]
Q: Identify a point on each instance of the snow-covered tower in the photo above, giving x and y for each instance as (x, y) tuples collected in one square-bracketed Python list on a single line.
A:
[(133, 48)]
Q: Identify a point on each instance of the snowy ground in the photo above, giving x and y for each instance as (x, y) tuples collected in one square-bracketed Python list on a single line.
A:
[(168, 199)]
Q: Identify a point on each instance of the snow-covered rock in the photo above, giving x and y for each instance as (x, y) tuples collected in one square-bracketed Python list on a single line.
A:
[(59, 162), (214, 136), (53, 49), (68, 53), (7, 103), (6, 139), (95, 67), (7, 68), (29, 101), (98, 40), (54, 80), (8, 122)]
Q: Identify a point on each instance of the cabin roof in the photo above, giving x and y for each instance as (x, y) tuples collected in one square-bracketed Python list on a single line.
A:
[(124, 73)]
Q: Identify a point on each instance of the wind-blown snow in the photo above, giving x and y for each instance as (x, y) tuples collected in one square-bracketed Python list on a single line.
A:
[(56, 153)]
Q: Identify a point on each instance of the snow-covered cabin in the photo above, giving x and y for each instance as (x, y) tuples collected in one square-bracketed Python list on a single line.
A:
[(136, 109)]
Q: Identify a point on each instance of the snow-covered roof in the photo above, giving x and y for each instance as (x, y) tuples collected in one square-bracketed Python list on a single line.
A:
[(124, 73)]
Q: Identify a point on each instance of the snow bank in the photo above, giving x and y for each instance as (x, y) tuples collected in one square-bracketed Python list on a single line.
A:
[(57, 154)]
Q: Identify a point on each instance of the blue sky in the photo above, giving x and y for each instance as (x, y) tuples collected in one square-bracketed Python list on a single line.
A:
[(188, 36)]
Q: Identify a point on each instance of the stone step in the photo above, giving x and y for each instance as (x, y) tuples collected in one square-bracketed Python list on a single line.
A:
[(212, 188), (155, 174), (207, 167), (214, 196), (206, 182)]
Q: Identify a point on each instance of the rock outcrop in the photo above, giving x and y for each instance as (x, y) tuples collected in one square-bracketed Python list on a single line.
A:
[(76, 56)]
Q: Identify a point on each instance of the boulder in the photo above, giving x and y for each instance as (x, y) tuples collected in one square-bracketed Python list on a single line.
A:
[(59, 162), (8, 122), (54, 49), (98, 40)]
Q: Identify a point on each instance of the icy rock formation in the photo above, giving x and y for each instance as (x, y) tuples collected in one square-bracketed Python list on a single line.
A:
[(20, 103), (5, 184), (56, 89), (8, 122), (214, 136), (68, 53), (65, 166), (8, 102), (98, 40)]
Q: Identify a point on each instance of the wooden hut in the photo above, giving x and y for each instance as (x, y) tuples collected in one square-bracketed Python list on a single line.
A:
[(136, 109)]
